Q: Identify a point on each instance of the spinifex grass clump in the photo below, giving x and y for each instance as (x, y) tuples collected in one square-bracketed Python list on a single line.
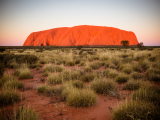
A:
[(8, 97), (23, 72), (42, 89), (78, 84), (147, 93), (25, 113), (136, 67), (78, 97), (121, 78), (52, 68), (136, 75), (54, 79), (70, 63), (144, 64), (153, 74), (82, 98), (132, 85), (95, 65), (135, 110), (88, 77), (13, 84), (127, 70), (112, 73), (87, 69), (5, 78), (103, 86)]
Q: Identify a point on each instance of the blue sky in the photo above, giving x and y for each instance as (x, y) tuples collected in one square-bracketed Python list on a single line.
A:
[(19, 18)]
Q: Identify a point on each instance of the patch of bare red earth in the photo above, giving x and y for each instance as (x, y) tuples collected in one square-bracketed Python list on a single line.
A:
[(56, 109)]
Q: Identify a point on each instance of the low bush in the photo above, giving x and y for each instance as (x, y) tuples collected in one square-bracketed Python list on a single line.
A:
[(121, 78), (127, 70), (82, 63), (5, 78), (8, 97), (78, 84), (54, 79), (13, 84), (88, 77), (78, 97), (136, 68), (112, 66), (112, 73), (103, 58), (132, 85), (135, 110), (52, 68), (42, 89), (2, 68), (136, 75), (103, 86), (153, 74), (106, 72), (95, 65), (87, 69), (70, 63), (25, 113), (81, 98), (77, 61), (147, 93), (144, 64)]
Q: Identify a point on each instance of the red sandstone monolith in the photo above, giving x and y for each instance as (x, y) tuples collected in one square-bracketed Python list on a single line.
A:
[(80, 35)]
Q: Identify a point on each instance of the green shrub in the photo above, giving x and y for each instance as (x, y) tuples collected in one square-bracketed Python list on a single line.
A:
[(135, 110), (2, 68), (112, 66), (55, 90), (144, 64), (122, 66), (81, 98), (147, 93), (8, 97), (78, 84), (13, 84), (88, 77), (25, 74), (121, 78), (106, 72), (77, 61), (132, 85), (153, 74), (5, 78), (42, 89), (103, 58), (112, 73), (78, 97), (127, 70), (82, 63), (46, 73), (52, 68), (136, 68), (87, 69), (70, 63), (54, 79), (107, 63), (136, 75), (24, 113), (103, 86), (95, 65)]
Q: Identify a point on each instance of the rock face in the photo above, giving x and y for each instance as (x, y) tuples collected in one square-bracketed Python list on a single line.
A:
[(80, 35)]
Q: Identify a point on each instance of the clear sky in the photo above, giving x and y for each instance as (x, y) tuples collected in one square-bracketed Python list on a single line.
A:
[(19, 18)]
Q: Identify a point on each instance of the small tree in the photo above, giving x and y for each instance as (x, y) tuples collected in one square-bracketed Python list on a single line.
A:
[(140, 44), (125, 43)]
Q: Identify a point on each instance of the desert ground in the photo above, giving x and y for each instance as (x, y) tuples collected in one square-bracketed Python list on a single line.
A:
[(80, 83)]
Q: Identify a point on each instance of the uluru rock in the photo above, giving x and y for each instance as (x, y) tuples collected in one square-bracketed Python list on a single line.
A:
[(80, 35)]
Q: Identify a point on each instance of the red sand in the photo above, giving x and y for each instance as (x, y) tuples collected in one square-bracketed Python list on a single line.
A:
[(80, 35)]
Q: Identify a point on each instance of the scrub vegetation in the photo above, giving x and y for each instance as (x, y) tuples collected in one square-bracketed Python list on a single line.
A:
[(79, 77)]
